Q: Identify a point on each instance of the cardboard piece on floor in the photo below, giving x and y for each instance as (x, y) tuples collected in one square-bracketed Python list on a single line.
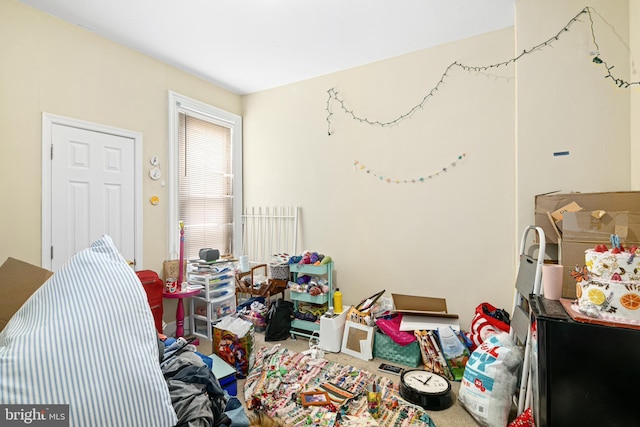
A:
[(423, 313), (18, 281), (357, 340), (411, 322)]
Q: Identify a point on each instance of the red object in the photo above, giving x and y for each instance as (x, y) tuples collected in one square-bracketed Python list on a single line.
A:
[(180, 309), (525, 419), (154, 287), (484, 325)]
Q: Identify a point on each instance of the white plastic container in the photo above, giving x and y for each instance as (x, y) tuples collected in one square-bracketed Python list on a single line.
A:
[(223, 306), (224, 289)]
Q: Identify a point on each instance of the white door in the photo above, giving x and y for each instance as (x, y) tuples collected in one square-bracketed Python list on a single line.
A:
[(92, 191)]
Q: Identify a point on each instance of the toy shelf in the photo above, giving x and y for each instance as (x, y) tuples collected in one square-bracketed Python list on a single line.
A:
[(307, 328)]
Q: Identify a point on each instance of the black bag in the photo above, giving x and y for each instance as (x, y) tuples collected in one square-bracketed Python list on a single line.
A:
[(279, 320)]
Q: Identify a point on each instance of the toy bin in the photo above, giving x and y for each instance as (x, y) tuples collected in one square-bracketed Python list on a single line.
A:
[(204, 313), (222, 306), (225, 289)]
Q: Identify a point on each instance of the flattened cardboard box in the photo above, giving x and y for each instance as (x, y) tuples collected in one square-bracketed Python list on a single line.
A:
[(423, 313), (18, 281), (607, 201)]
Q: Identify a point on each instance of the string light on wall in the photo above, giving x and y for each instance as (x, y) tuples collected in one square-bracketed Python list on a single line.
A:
[(361, 167), (334, 96)]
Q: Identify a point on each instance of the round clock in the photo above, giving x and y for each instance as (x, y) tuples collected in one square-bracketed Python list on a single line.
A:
[(426, 389)]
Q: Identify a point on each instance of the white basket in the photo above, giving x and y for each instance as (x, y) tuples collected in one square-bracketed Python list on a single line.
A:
[(279, 271)]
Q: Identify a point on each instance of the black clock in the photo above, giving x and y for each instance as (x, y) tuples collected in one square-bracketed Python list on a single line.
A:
[(426, 389)]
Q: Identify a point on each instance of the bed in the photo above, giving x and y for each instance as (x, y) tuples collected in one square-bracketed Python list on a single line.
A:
[(86, 338)]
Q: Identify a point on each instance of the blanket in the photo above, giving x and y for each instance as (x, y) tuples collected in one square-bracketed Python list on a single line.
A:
[(280, 375)]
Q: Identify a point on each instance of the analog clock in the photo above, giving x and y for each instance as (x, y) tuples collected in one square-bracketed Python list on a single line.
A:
[(426, 389)]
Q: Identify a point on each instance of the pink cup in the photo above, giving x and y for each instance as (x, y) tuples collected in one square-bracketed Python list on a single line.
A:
[(552, 281)]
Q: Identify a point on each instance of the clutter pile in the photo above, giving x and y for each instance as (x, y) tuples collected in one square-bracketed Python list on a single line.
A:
[(281, 378), (254, 310)]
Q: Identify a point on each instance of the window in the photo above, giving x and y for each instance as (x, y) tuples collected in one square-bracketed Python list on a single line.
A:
[(205, 178)]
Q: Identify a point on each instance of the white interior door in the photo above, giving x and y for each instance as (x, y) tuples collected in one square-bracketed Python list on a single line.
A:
[(92, 191)]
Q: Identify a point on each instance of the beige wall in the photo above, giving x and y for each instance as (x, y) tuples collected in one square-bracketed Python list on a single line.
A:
[(455, 236), (450, 237), (48, 65), (634, 62), (564, 103)]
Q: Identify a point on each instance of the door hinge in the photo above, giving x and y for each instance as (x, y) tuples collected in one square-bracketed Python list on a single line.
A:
[(51, 251)]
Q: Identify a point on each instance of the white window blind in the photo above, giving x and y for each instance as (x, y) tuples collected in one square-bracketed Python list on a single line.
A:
[(205, 184), (205, 177)]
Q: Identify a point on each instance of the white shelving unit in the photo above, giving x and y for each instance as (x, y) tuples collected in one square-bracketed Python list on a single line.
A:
[(306, 328), (217, 298)]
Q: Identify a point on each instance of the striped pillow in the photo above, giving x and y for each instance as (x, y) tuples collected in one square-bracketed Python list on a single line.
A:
[(86, 338)]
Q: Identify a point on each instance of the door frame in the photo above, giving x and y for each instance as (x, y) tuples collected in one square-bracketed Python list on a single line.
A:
[(48, 121)]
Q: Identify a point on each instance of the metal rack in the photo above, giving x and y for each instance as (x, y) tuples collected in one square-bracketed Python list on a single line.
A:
[(306, 328)]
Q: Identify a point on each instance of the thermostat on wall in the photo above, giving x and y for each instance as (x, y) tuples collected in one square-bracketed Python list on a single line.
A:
[(155, 174)]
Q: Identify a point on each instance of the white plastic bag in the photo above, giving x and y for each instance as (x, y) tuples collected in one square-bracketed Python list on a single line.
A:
[(490, 379)]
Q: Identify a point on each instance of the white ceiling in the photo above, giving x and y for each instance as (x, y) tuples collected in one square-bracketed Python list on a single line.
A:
[(247, 46)]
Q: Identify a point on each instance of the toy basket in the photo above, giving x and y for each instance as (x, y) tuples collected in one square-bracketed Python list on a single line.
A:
[(279, 271), (384, 347), (360, 317)]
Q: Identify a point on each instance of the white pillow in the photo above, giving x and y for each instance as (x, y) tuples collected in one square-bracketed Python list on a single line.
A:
[(86, 338)]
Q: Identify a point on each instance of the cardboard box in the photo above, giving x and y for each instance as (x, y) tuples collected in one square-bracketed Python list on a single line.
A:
[(546, 204), (598, 227), (18, 281), (557, 215), (583, 230), (423, 313)]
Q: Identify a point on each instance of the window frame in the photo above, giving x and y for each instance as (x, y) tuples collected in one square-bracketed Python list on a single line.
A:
[(222, 118)]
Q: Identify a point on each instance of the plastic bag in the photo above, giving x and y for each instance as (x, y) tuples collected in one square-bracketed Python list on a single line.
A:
[(490, 380), (454, 350), (279, 321), (487, 321), (391, 327), (233, 340)]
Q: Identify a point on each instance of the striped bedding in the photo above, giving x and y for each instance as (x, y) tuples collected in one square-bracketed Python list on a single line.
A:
[(86, 338)]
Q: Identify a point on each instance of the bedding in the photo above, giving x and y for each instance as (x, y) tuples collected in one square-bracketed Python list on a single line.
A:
[(86, 338)]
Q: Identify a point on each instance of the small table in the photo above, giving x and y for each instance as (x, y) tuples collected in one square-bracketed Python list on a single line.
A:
[(180, 295)]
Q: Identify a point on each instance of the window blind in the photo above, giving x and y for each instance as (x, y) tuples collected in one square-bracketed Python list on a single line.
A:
[(205, 190)]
